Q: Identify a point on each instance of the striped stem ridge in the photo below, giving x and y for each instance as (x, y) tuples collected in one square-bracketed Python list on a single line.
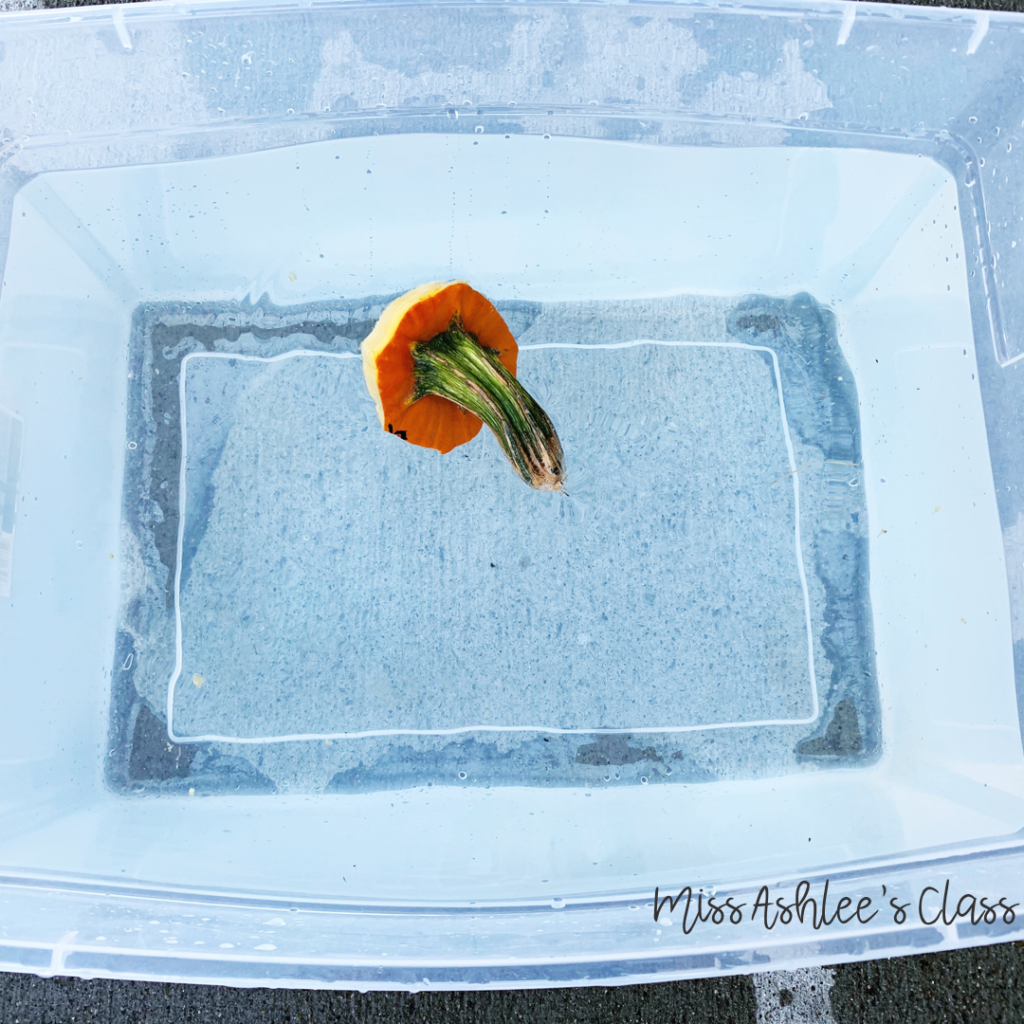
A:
[(454, 365)]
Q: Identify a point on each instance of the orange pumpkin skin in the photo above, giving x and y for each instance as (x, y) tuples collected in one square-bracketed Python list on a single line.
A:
[(419, 315)]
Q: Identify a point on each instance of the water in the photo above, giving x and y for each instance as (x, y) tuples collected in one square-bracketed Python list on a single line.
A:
[(342, 583), (676, 612)]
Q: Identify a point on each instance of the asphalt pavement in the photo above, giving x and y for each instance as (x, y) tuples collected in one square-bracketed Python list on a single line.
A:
[(974, 986)]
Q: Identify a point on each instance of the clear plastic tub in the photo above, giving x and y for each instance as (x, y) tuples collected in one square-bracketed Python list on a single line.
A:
[(287, 701)]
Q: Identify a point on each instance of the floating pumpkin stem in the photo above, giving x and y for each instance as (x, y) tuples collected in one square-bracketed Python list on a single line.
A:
[(440, 362), (454, 365)]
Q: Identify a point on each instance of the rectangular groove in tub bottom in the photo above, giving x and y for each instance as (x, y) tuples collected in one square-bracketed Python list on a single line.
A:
[(354, 611)]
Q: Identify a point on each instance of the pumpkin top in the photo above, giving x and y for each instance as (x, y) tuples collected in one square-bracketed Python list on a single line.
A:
[(417, 316)]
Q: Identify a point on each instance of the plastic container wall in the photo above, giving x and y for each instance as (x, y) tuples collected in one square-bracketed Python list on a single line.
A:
[(828, 190)]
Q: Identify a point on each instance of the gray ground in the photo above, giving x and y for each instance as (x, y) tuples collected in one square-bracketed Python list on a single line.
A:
[(337, 554), (464, 550), (971, 986), (968, 987)]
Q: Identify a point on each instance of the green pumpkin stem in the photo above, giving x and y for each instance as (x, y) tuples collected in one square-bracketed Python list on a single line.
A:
[(454, 365)]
